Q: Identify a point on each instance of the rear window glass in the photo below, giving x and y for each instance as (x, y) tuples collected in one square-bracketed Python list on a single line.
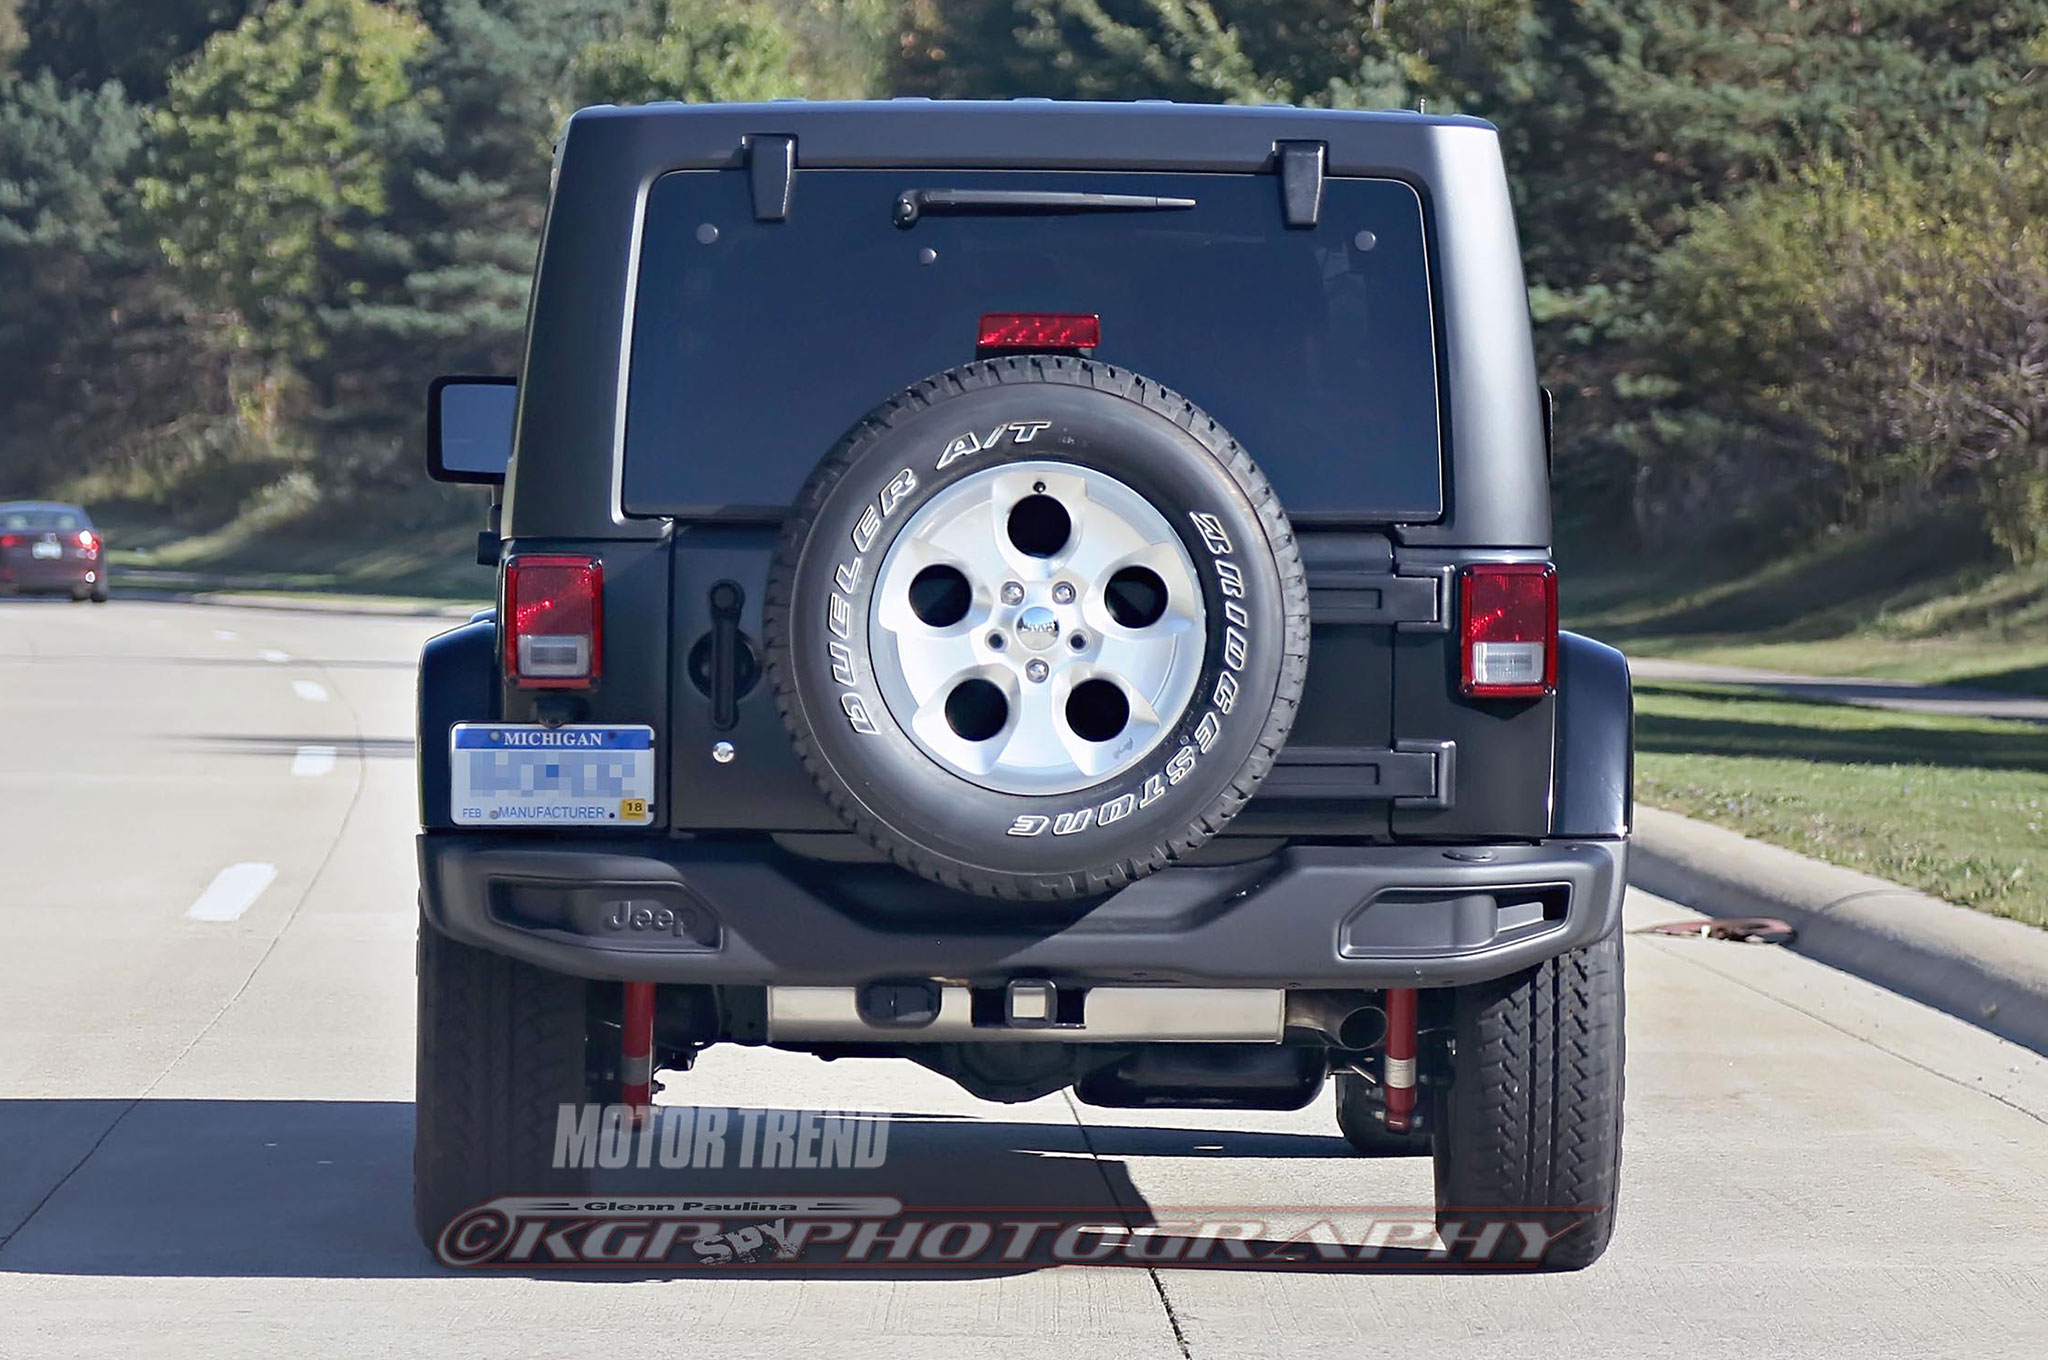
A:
[(756, 345), (42, 519)]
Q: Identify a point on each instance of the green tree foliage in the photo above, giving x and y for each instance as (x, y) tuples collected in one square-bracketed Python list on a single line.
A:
[(439, 279), (267, 160), (1333, 53), (1886, 326), (95, 351), (85, 43), (695, 50), (1783, 256), (1658, 114)]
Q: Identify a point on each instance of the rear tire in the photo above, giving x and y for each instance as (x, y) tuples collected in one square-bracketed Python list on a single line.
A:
[(80, 594), (1531, 1123), (502, 1045), (100, 594)]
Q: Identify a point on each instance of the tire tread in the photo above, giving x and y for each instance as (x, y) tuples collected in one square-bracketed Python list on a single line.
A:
[(1533, 1114)]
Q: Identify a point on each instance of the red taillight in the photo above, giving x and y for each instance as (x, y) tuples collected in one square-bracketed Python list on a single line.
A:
[(8, 540), (554, 622), (1040, 330), (86, 540), (1508, 630)]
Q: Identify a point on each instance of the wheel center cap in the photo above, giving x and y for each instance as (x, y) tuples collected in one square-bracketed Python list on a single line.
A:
[(1038, 628)]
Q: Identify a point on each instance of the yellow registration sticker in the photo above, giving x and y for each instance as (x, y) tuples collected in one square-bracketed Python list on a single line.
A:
[(632, 809)]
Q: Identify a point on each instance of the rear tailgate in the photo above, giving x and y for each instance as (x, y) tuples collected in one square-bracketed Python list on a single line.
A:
[(759, 339)]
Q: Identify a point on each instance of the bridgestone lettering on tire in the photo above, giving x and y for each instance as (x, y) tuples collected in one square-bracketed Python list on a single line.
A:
[(1038, 626)]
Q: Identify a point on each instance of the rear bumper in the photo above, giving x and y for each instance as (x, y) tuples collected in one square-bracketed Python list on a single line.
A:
[(60, 575), (749, 915)]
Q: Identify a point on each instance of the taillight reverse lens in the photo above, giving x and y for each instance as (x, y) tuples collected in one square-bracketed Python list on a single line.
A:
[(1508, 630), (554, 622)]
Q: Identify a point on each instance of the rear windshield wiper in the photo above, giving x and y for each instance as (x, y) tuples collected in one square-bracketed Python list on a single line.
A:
[(912, 204)]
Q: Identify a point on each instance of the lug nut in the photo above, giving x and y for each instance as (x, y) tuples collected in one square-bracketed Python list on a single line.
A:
[(1078, 641), (996, 642), (1063, 593), (723, 753), (1013, 593), (1036, 671)]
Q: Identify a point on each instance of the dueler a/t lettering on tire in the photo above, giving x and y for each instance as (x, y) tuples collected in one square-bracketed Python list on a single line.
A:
[(1037, 626)]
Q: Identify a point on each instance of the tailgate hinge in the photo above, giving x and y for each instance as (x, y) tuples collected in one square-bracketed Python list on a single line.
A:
[(1377, 598), (1411, 774), (771, 165), (1301, 181)]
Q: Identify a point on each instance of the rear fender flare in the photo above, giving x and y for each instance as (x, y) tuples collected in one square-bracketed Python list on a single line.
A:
[(1592, 791), (458, 683)]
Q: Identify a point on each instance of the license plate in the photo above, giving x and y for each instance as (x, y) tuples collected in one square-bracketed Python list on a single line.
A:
[(47, 550), (516, 774)]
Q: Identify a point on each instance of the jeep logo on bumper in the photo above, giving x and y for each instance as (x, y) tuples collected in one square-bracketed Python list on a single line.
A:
[(653, 916), (636, 916)]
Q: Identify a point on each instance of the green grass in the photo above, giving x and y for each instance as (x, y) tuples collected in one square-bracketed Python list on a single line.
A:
[(1924, 605), (436, 562), (1957, 807)]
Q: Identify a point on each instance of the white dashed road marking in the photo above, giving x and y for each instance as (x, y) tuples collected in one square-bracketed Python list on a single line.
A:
[(233, 891), (313, 760), (275, 657), (225, 634), (310, 692)]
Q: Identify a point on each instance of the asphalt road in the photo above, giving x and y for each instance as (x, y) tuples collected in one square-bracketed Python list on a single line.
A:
[(206, 914)]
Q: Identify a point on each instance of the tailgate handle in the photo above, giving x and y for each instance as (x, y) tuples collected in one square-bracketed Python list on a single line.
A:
[(912, 204), (726, 599)]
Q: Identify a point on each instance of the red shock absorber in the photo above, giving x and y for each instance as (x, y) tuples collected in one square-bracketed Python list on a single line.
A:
[(1400, 1059), (636, 1050)]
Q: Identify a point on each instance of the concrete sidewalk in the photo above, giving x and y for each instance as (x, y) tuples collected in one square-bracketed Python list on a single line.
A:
[(1905, 695), (1985, 969)]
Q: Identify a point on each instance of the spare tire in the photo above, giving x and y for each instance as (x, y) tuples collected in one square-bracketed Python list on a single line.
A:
[(1037, 627)]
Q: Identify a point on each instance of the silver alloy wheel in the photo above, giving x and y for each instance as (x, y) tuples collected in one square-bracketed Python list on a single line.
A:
[(1037, 628)]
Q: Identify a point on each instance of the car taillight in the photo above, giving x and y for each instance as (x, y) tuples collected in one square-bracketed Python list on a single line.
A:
[(86, 540), (1040, 330), (554, 622), (1508, 630), (9, 540)]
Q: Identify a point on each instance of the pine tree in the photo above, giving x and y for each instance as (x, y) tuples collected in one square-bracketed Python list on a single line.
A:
[(85, 43), (96, 354)]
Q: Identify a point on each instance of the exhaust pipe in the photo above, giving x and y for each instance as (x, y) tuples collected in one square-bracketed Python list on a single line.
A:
[(1339, 1018)]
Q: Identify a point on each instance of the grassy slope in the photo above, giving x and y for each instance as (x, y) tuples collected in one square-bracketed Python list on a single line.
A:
[(437, 563), (1910, 606), (1953, 806)]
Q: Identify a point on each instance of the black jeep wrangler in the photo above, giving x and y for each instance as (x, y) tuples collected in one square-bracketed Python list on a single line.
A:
[(1060, 593)]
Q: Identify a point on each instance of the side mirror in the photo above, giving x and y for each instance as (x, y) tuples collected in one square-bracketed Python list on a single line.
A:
[(469, 429)]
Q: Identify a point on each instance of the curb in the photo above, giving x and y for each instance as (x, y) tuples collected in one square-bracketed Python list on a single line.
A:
[(1988, 970)]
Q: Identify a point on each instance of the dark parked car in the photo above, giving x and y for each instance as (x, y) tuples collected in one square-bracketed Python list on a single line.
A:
[(1058, 593), (51, 549)]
